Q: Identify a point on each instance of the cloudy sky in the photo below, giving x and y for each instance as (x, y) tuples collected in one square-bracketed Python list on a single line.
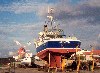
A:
[(22, 20)]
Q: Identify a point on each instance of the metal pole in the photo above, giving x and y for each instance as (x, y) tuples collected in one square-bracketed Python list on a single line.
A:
[(76, 51), (9, 65), (78, 63), (92, 59), (14, 66), (49, 63), (78, 66), (49, 59)]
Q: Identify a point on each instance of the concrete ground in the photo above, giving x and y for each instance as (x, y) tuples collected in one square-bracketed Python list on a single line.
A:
[(35, 70)]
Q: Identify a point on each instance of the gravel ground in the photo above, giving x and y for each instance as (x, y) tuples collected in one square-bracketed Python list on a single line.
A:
[(35, 70)]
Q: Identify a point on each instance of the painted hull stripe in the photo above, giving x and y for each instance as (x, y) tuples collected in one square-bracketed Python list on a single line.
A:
[(58, 49)]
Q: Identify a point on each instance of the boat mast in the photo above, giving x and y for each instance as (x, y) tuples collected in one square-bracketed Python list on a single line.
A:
[(50, 13)]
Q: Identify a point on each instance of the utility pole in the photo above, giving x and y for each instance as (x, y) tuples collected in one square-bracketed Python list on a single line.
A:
[(78, 66), (92, 59)]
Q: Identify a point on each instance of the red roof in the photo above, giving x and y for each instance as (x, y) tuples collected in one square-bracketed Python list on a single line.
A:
[(95, 52)]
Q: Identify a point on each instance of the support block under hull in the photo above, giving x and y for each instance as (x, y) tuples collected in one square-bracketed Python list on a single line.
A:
[(56, 56)]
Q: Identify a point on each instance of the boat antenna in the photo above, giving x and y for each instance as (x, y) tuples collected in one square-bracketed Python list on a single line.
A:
[(50, 12)]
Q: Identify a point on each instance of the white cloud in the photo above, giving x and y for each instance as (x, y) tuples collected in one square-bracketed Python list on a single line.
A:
[(11, 53), (19, 7), (26, 7), (99, 36), (23, 8), (81, 19), (40, 8), (21, 32), (93, 3)]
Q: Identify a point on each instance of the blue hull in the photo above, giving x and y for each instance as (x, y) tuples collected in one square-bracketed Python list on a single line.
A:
[(58, 44)]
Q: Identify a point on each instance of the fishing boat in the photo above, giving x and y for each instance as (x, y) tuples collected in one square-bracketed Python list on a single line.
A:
[(52, 44)]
